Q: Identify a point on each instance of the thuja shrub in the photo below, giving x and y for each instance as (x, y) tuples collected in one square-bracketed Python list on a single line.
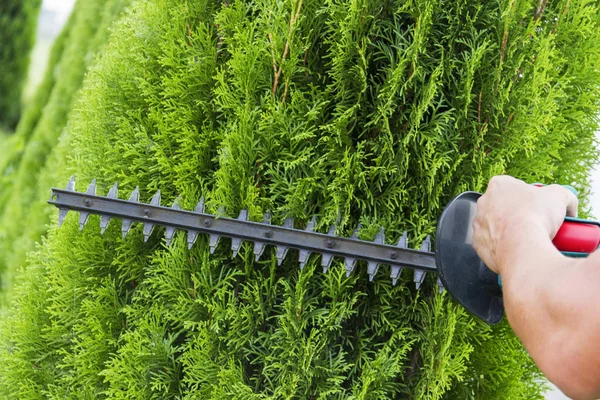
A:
[(18, 21), (354, 111), (27, 161)]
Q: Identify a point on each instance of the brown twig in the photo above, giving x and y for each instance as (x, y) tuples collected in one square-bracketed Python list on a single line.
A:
[(540, 9), (293, 20)]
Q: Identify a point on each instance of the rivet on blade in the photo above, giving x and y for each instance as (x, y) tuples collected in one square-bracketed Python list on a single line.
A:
[(105, 219), (83, 215)]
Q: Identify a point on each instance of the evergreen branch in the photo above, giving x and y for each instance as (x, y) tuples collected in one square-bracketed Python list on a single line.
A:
[(293, 19)]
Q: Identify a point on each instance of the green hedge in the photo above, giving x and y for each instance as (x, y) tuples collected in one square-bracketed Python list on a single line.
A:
[(30, 155), (355, 111), (18, 22)]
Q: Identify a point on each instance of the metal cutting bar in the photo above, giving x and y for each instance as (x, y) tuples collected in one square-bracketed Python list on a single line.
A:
[(282, 237)]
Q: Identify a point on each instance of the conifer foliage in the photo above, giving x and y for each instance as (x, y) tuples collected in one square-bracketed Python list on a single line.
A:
[(30, 155), (18, 21), (365, 111)]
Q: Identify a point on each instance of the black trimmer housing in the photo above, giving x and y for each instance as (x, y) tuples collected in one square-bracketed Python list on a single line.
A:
[(461, 270)]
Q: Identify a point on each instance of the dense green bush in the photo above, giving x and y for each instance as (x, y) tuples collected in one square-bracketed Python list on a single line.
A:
[(27, 162), (363, 111), (18, 21)]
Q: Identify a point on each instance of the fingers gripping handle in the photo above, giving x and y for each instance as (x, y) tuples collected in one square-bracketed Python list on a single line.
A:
[(576, 237)]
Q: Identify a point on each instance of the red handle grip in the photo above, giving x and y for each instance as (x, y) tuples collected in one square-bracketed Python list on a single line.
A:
[(578, 236)]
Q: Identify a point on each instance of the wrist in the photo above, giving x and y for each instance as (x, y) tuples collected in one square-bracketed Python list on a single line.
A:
[(521, 241)]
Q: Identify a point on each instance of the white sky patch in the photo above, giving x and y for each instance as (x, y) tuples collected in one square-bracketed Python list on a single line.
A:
[(59, 8)]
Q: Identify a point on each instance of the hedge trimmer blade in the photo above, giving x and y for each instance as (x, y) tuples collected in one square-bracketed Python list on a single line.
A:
[(240, 229)]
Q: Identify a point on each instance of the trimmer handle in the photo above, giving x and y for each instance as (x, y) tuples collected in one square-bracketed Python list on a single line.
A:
[(577, 237)]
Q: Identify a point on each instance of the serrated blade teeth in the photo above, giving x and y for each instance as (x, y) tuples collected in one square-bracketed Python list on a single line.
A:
[(221, 211), (135, 195), (176, 205), (380, 237), (243, 215), (83, 219), (169, 233), (114, 191), (331, 231), (126, 223), (62, 214), (426, 245), (350, 264), (83, 215), (440, 285), (288, 223), (355, 233), (395, 273), (91, 188), (303, 258), (267, 218), (191, 238), (105, 219), (170, 230), (126, 226), (281, 253), (214, 242), (310, 227), (71, 184), (235, 246), (259, 248), (326, 261), (403, 241), (372, 267), (200, 206), (155, 199), (418, 278), (148, 228)]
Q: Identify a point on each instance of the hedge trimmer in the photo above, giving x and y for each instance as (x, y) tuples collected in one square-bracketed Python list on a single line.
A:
[(459, 268)]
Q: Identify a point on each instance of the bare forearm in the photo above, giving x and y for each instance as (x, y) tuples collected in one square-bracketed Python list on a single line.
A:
[(550, 305)]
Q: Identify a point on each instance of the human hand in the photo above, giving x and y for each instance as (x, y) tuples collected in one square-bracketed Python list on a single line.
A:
[(511, 211)]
